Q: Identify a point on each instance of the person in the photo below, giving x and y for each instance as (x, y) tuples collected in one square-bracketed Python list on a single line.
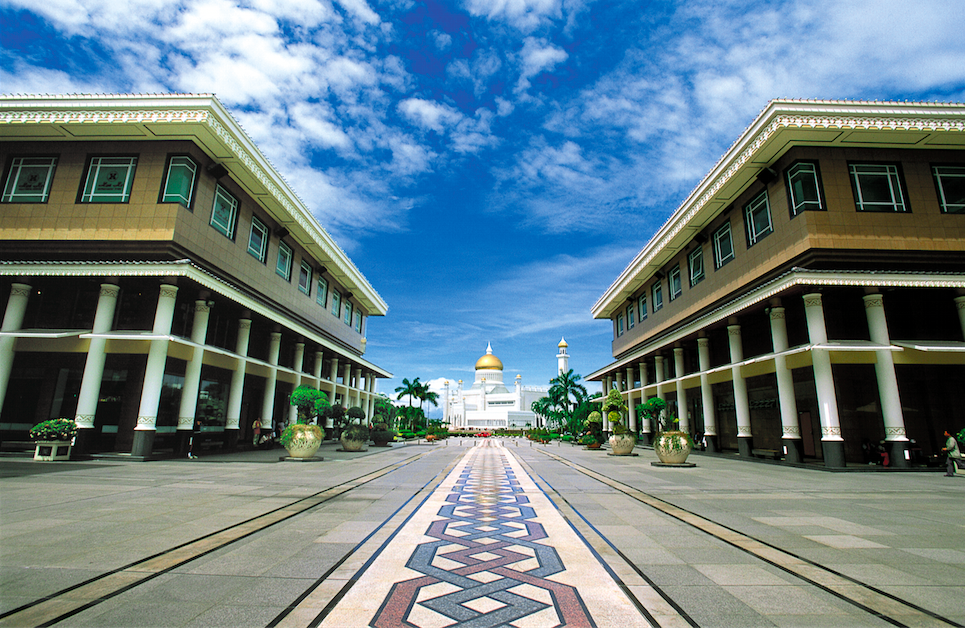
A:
[(255, 432), (195, 434), (951, 450)]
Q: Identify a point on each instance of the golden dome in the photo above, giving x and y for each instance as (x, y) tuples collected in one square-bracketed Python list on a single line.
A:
[(562, 343), (489, 362)]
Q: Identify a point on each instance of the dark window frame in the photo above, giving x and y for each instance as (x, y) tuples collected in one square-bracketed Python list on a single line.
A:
[(939, 190), (822, 206), (162, 193), (902, 188), (49, 184), (82, 192)]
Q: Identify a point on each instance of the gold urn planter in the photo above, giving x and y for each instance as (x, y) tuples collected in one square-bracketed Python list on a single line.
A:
[(672, 446), (302, 441), (622, 444)]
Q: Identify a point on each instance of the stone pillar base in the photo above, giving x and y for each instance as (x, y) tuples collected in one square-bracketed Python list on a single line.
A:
[(84, 441), (712, 445), (645, 439), (744, 446), (833, 454), (793, 450), (143, 443), (897, 458)]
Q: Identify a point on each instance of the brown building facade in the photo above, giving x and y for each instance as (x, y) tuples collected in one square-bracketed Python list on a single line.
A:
[(807, 300), (156, 269)]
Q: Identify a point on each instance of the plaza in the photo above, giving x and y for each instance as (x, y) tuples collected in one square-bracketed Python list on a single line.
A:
[(482, 532)]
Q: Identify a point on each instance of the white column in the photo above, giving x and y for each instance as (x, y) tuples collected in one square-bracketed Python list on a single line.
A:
[(90, 386), (154, 372), (682, 407), (299, 366), (831, 439), (619, 381), (643, 376), (632, 413), (192, 372), (233, 419), (317, 369), (333, 377), (790, 425), (894, 419), (268, 403), (740, 388), (358, 387), (346, 383), (707, 394), (659, 374), (12, 321), (960, 306)]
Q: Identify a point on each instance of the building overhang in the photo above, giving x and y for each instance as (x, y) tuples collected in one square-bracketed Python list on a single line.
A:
[(782, 125), (181, 268), (204, 121), (792, 279)]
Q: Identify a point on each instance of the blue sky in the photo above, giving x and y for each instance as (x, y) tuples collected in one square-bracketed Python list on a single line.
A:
[(490, 166)]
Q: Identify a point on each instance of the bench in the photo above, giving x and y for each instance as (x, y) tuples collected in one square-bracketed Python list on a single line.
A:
[(771, 454)]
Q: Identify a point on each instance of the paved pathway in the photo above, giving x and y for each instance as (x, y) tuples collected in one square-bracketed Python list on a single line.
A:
[(475, 533)]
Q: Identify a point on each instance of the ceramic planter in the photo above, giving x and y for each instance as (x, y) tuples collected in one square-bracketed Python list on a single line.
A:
[(304, 444), (622, 444), (672, 447), (52, 450), (351, 444)]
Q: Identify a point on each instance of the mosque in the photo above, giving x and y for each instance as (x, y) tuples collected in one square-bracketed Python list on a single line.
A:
[(489, 405)]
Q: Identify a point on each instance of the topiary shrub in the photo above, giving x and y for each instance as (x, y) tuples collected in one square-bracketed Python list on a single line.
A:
[(54, 429)]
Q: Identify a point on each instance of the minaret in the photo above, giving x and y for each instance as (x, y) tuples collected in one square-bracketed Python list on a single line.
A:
[(563, 358)]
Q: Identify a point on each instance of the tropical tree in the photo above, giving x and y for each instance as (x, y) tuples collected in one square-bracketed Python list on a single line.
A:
[(426, 395), (384, 411), (565, 389), (309, 402), (409, 389)]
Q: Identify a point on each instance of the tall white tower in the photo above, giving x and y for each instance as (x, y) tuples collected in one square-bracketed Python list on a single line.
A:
[(563, 358)]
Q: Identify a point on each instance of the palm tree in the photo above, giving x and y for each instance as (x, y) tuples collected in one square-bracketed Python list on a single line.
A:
[(427, 395), (566, 386), (411, 390)]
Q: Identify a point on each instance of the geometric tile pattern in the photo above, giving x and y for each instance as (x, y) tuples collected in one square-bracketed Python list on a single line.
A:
[(484, 566)]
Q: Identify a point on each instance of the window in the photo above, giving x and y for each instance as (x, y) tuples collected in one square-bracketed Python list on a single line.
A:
[(695, 263), (224, 215), (179, 181), (348, 313), (305, 278), (321, 295), (258, 240), (642, 303), (757, 219), (803, 188), (630, 317), (877, 188), (109, 180), (284, 264), (950, 181), (620, 325), (723, 245), (358, 321), (336, 303), (673, 282), (29, 180), (657, 290)]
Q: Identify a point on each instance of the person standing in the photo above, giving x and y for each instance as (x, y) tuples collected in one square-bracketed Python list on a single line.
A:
[(195, 435), (951, 450), (256, 432)]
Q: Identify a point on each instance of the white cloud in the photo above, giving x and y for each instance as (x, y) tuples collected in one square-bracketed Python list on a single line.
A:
[(429, 115), (524, 15), (537, 56)]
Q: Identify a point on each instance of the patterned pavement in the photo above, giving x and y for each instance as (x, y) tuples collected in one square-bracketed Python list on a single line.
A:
[(486, 549)]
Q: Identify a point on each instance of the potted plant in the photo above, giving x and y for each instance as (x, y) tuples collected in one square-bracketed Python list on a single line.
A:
[(649, 412), (53, 439), (382, 435), (302, 439), (621, 440), (354, 437), (593, 438), (672, 446)]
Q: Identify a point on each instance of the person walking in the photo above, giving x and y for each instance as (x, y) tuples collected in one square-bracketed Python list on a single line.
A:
[(951, 450), (195, 435)]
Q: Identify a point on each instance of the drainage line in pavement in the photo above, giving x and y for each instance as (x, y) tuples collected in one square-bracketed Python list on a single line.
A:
[(437, 479), (636, 602), (668, 509), (130, 577), (625, 558)]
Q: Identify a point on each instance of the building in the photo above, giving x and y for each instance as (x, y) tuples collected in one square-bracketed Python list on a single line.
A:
[(155, 269), (807, 299), (488, 405)]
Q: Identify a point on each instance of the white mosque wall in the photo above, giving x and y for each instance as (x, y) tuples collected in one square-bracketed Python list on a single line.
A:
[(496, 418)]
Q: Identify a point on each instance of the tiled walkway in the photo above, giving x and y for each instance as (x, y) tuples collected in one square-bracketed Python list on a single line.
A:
[(486, 549)]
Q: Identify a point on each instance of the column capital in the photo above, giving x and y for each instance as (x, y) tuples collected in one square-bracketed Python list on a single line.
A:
[(244, 323), (873, 300), (703, 342), (109, 290), (733, 330), (813, 299), (776, 313)]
